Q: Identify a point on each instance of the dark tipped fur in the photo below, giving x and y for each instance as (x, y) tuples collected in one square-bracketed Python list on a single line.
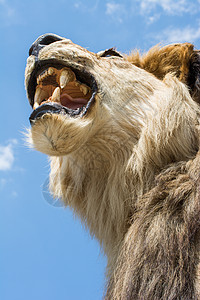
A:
[(194, 76)]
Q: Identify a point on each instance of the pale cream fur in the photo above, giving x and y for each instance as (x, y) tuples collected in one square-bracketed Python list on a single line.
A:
[(102, 163)]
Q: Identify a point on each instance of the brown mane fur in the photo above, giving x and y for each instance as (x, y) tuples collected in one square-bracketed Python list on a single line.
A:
[(159, 61), (176, 59)]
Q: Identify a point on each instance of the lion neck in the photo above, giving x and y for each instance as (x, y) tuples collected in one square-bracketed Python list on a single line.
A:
[(93, 182)]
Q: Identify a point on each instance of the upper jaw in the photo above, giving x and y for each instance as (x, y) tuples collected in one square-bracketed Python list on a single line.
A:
[(73, 89)]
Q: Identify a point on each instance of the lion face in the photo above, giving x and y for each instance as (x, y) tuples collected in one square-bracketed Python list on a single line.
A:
[(72, 90)]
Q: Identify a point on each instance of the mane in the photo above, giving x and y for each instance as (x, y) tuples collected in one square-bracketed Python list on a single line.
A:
[(160, 61)]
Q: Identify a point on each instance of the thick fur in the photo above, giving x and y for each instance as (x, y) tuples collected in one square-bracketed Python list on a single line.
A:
[(160, 253), (178, 59), (130, 169)]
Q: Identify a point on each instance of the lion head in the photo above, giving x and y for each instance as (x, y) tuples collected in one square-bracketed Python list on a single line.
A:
[(76, 93)]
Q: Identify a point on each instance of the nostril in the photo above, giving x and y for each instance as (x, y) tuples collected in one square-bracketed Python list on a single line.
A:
[(43, 41)]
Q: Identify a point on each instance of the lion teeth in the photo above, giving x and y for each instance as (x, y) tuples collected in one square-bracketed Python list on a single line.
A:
[(84, 89), (65, 77), (35, 105), (56, 95), (40, 95), (45, 74), (50, 71)]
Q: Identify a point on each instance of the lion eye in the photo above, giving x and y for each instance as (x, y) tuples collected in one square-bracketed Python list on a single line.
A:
[(109, 52)]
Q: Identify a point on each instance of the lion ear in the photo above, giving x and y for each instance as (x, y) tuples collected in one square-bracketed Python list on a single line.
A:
[(194, 76)]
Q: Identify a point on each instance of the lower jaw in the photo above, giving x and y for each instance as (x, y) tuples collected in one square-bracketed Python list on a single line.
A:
[(56, 108), (52, 108), (56, 135)]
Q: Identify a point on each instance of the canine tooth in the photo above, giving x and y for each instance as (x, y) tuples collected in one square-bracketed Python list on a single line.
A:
[(65, 77), (56, 95), (40, 95), (35, 105), (84, 89)]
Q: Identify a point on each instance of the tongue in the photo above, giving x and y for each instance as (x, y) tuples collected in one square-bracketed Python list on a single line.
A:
[(73, 103)]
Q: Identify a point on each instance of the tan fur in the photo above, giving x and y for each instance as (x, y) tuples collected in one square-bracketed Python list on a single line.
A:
[(104, 167)]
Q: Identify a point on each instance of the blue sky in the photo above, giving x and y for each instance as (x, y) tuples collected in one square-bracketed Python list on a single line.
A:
[(45, 253)]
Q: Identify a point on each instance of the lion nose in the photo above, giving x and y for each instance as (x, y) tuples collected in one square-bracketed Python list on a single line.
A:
[(42, 41)]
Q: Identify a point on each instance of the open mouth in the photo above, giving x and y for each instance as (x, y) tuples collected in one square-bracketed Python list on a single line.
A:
[(54, 88)]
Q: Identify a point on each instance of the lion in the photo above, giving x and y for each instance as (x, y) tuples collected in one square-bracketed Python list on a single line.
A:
[(122, 133)]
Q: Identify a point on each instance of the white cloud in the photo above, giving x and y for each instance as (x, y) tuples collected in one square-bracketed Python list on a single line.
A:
[(168, 6), (112, 8), (174, 35), (7, 156), (115, 10)]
